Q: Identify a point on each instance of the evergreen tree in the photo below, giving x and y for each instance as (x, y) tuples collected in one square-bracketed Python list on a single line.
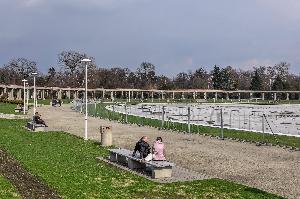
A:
[(256, 82), (217, 78)]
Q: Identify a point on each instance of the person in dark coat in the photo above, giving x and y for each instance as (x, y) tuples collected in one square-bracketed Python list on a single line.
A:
[(142, 147), (38, 120)]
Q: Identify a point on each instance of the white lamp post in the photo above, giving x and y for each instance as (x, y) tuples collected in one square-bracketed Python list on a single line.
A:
[(27, 96), (24, 96), (34, 93), (86, 61)]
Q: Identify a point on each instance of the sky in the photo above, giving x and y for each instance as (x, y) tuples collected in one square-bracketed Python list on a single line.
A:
[(174, 35)]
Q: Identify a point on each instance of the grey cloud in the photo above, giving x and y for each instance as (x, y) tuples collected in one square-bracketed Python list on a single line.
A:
[(174, 35)]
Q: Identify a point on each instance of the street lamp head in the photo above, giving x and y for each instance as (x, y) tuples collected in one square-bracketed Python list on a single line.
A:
[(35, 73), (86, 60), (24, 80)]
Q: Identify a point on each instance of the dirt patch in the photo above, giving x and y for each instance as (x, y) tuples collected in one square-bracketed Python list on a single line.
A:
[(27, 185), (271, 169)]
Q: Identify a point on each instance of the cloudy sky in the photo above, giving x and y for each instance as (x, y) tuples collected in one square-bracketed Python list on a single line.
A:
[(174, 35)]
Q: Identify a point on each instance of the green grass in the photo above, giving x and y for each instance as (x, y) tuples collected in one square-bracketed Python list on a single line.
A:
[(7, 190), (67, 164), (8, 108), (181, 127)]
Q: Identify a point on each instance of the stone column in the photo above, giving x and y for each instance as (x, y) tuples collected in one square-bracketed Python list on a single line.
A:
[(142, 95), (239, 96), (43, 94), (59, 94), (287, 96), (152, 96), (263, 96), (11, 94), (19, 94), (112, 95), (69, 94), (216, 96), (275, 96), (227, 96), (173, 95), (5, 91), (205, 95), (194, 95)]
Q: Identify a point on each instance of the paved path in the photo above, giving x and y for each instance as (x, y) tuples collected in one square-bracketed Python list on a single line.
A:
[(272, 169)]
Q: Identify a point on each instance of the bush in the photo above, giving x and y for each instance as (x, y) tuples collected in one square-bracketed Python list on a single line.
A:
[(11, 101)]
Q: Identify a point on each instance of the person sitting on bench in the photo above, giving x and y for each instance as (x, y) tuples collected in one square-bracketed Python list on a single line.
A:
[(158, 151), (142, 147), (38, 120), (158, 148)]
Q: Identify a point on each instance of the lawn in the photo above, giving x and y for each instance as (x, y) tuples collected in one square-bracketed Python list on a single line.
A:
[(8, 108), (7, 190), (68, 165), (102, 112)]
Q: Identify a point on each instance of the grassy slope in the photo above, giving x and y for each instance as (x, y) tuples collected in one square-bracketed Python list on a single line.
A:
[(7, 108), (228, 133), (67, 163), (7, 190)]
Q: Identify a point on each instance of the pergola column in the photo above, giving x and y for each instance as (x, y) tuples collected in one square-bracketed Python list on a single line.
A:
[(227, 96), (263, 96), (275, 96), (173, 95), (194, 95), (216, 96), (59, 94), (19, 94), (287, 96), (182, 95), (43, 94), (69, 94), (11, 94), (205, 95), (239, 95), (112, 95), (152, 96)]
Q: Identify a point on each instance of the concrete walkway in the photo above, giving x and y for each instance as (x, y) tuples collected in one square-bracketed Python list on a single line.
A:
[(272, 169)]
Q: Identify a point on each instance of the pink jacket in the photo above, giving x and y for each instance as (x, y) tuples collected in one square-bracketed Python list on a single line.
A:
[(158, 151)]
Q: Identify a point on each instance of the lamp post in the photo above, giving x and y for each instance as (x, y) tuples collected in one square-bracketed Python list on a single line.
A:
[(27, 96), (34, 93), (86, 61), (24, 96)]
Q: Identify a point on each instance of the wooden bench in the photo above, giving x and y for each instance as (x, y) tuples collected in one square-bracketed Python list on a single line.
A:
[(35, 127), (159, 169)]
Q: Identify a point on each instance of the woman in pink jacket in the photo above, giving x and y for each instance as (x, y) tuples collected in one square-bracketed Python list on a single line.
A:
[(158, 151)]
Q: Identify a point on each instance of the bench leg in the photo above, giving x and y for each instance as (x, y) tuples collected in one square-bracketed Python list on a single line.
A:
[(132, 164), (112, 157), (122, 159), (162, 172), (39, 129)]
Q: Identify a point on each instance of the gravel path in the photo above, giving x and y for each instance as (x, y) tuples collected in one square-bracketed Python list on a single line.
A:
[(272, 169)]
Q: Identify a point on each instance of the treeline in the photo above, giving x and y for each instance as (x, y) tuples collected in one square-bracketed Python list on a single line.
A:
[(70, 72)]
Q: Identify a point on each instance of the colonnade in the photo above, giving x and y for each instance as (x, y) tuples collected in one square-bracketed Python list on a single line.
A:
[(16, 92)]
